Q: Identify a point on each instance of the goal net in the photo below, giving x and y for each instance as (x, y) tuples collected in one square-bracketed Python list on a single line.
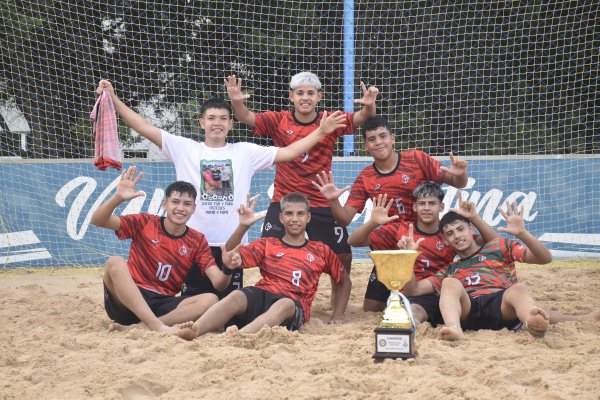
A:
[(511, 86)]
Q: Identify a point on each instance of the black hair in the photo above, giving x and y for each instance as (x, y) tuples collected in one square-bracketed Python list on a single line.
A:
[(216, 102), (181, 187), (376, 121), (451, 217), (427, 189)]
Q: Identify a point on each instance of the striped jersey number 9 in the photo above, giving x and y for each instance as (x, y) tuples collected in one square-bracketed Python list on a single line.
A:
[(339, 232)]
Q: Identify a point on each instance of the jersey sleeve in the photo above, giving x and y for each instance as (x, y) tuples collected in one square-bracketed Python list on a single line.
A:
[(430, 166), (266, 123), (358, 195), (203, 258), (436, 280), (349, 129), (513, 250), (333, 266), (172, 145), (262, 157), (253, 253), (131, 225), (384, 237)]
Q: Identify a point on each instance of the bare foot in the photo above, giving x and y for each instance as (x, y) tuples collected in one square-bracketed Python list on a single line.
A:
[(595, 315), (451, 333), (538, 322), (231, 331), (115, 326), (188, 330)]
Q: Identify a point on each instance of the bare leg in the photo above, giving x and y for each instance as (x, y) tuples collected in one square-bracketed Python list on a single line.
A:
[(216, 316), (282, 310), (419, 313), (557, 317), (517, 302), (190, 309), (346, 260), (373, 305), (119, 283), (455, 306)]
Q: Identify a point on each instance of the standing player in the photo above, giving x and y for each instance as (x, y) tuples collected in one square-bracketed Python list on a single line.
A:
[(143, 288), (290, 269), (382, 232), (287, 127), (215, 215), (393, 173)]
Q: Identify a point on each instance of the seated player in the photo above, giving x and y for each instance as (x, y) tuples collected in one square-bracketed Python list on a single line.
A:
[(163, 249), (382, 232), (290, 269)]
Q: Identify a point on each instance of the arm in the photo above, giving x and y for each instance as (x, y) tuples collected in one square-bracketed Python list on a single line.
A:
[(131, 118), (231, 261), (515, 225), (247, 219), (418, 288), (456, 175), (329, 123), (379, 216), (343, 289), (234, 91), (342, 214), (368, 102), (103, 216), (468, 210)]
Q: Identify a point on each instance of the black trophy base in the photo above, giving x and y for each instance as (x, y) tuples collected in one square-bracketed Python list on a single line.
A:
[(395, 343)]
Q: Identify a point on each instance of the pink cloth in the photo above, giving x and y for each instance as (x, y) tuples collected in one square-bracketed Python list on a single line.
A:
[(106, 134)]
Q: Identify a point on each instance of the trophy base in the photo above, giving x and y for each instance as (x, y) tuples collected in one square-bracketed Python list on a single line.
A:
[(394, 343)]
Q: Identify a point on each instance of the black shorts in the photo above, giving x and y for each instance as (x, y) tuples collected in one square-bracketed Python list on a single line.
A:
[(322, 227), (259, 301), (486, 313), (430, 303), (160, 304), (197, 283)]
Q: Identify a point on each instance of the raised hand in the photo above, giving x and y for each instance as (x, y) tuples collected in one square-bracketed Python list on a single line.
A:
[(231, 259), (381, 209), (332, 122), (126, 186), (466, 208), (458, 166), (408, 242), (515, 223), (327, 187), (234, 89), (369, 95), (246, 212), (105, 85)]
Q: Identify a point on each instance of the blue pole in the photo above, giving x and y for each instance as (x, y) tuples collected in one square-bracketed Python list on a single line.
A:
[(348, 70)]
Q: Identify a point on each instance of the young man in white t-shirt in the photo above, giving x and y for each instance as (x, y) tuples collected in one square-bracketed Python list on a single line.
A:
[(216, 215)]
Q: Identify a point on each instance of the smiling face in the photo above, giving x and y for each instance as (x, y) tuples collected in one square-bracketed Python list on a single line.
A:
[(379, 142), (179, 208), (294, 217), (428, 209), (216, 123), (459, 235), (305, 99)]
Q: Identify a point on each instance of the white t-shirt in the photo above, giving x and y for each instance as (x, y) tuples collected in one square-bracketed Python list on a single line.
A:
[(202, 166)]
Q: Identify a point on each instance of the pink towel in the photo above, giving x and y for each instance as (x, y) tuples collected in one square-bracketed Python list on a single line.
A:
[(106, 134)]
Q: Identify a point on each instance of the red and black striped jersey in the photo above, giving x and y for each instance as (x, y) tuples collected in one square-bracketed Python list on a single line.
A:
[(297, 175), (435, 254), (414, 167), (292, 271), (490, 269), (157, 260)]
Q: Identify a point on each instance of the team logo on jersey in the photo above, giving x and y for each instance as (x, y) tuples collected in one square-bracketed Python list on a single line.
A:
[(289, 132), (155, 241), (482, 258), (183, 251), (405, 179), (268, 226), (377, 187), (279, 254), (440, 246), (310, 257)]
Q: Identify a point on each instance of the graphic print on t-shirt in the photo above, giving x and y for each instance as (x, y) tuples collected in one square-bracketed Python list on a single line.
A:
[(217, 181)]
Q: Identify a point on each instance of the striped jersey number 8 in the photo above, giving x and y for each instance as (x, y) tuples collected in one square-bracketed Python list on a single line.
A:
[(296, 275)]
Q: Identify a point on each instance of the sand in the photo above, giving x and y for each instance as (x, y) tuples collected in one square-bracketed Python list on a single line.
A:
[(56, 345)]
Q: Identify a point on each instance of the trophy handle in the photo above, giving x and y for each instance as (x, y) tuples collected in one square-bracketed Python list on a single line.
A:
[(408, 308)]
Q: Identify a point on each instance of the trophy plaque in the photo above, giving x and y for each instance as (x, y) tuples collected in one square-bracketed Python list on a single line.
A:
[(395, 335)]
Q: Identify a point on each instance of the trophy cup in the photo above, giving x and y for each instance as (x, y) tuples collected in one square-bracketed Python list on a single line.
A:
[(395, 335)]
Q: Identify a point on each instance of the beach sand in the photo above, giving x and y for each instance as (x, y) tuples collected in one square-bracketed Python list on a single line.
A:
[(55, 344)]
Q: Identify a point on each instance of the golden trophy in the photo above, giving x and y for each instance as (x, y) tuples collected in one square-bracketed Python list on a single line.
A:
[(395, 335)]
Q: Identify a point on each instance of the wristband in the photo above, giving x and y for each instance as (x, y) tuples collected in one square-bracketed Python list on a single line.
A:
[(227, 271)]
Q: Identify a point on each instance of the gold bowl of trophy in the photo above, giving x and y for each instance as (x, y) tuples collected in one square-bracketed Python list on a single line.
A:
[(395, 335)]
